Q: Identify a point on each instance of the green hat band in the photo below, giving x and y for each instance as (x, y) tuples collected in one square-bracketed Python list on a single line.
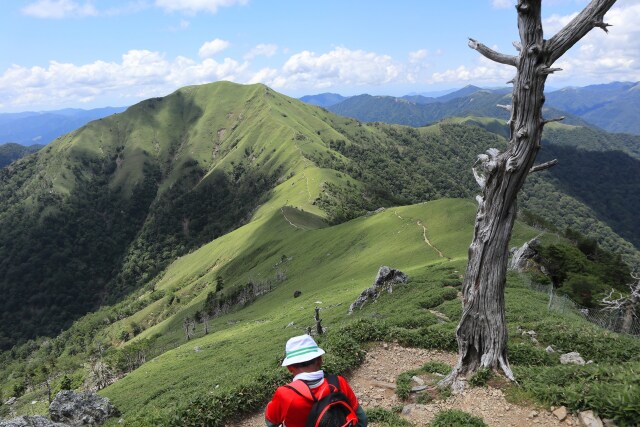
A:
[(302, 351)]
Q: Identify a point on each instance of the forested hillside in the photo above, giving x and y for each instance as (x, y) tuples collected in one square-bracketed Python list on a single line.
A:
[(10, 152)]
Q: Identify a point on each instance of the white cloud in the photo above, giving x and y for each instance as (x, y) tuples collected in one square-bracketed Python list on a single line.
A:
[(57, 9), (484, 71), (340, 66), (418, 55), (195, 6), (599, 56), (212, 48), (262, 49), (140, 74), (502, 4)]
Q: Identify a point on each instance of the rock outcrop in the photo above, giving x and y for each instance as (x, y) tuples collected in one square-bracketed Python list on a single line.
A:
[(81, 409), (385, 280), (520, 256), (36, 421)]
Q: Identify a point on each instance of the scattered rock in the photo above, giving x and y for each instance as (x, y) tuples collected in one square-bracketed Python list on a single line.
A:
[(589, 419), (520, 256), (77, 409), (418, 388), (11, 401), (36, 421), (385, 279), (383, 384), (291, 324), (608, 423), (549, 350), (417, 380), (533, 414), (560, 413), (572, 358), (296, 294), (197, 349)]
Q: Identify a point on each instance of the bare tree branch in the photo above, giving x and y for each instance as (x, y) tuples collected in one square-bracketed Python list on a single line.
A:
[(592, 16), (492, 54), (556, 119), (543, 166)]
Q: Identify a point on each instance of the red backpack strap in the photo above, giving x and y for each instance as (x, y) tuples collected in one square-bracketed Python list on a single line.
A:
[(301, 388)]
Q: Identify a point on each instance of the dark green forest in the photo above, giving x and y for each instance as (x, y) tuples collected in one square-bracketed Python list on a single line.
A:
[(10, 152)]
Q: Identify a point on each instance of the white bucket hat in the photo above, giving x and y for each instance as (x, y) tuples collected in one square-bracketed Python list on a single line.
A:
[(301, 349)]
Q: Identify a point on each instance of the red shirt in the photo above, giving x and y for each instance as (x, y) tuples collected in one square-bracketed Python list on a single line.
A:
[(290, 408)]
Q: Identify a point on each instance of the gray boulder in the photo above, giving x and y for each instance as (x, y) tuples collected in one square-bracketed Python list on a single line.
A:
[(385, 279), (81, 409), (36, 421), (572, 358)]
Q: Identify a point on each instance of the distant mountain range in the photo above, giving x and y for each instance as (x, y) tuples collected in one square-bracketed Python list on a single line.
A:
[(29, 128), (612, 107)]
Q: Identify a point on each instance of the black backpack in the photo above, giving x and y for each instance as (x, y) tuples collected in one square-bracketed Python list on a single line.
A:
[(332, 410)]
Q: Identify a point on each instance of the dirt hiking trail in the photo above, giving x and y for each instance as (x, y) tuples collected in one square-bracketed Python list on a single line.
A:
[(374, 380)]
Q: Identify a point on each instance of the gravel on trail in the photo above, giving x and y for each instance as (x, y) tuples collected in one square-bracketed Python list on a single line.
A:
[(374, 384)]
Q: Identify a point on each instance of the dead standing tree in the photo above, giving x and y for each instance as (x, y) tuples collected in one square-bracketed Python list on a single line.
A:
[(482, 331)]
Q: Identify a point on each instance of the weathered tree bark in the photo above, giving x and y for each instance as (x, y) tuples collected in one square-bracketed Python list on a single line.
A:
[(482, 331), (629, 305)]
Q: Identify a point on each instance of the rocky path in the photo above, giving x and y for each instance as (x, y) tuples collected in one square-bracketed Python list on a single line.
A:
[(374, 383)]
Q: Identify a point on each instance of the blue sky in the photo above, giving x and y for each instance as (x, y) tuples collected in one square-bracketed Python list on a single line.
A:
[(94, 53)]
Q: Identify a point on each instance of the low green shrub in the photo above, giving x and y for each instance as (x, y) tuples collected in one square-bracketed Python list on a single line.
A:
[(343, 352), (403, 385), (456, 418), (440, 336), (527, 354), (384, 417), (452, 309), (366, 330), (437, 296), (416, 320), (453, 282), (613, 391), (436, 368), (592, 342), (481, 377)]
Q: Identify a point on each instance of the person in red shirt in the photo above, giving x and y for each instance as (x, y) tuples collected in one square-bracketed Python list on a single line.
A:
[(304, 360)]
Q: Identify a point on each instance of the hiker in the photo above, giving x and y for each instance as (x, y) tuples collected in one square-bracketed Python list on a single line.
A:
[(292, 404)]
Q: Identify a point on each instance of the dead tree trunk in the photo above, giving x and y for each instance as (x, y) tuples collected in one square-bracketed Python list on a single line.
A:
[(482, 331)]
